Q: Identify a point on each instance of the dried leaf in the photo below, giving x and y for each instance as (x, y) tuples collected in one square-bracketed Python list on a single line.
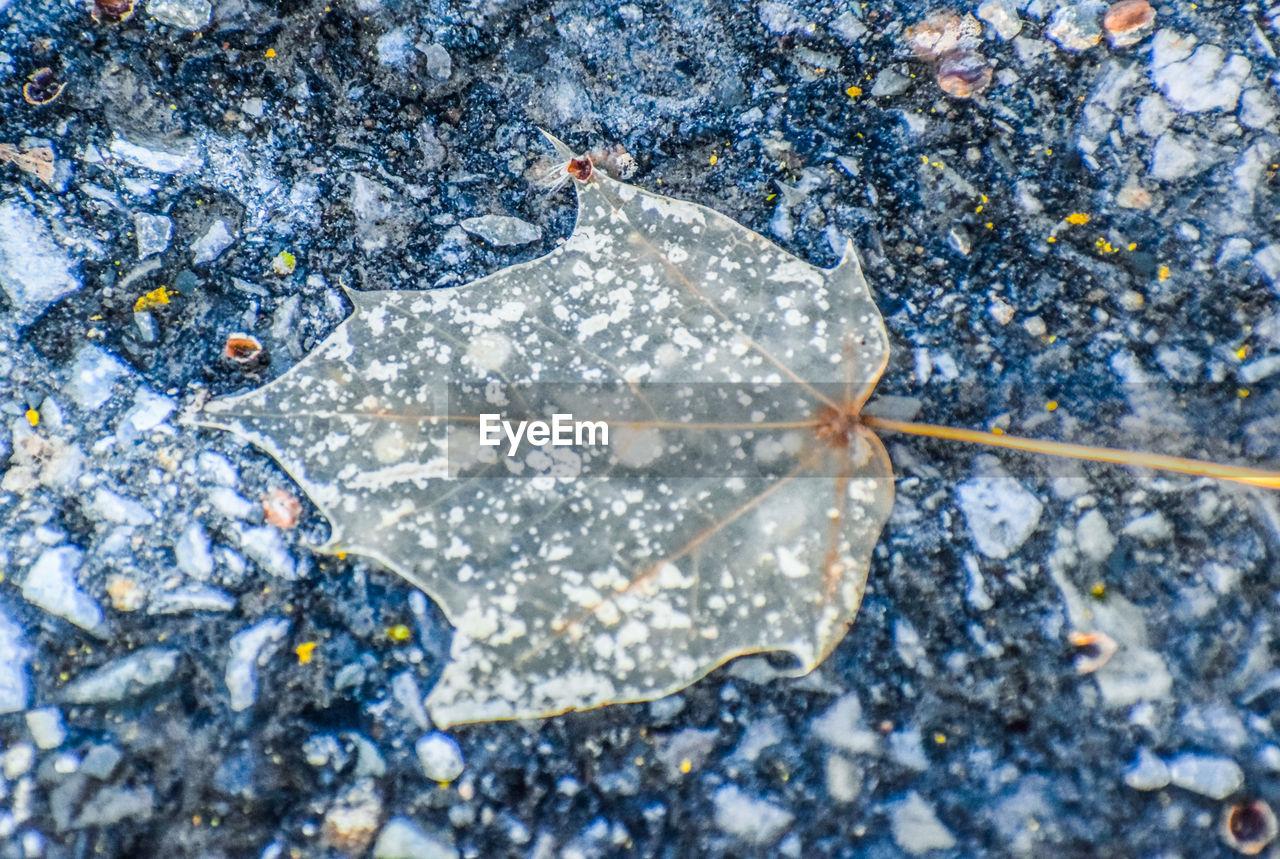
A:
[(36, 159), (734, 510)]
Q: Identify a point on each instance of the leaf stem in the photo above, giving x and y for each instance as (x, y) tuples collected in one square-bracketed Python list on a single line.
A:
[(1198, 467)]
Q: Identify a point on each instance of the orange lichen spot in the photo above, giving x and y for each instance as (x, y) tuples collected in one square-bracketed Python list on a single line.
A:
[(399, 632), (1242, 392), (853, 91), (1164, 272), (281, 508), (270, 54), (1077, 218), (1096, 649), (713, 159), (242, 348), (154, 298), (33, 417), (42, 87), (997, 431), (305, 651), (1051, 406)]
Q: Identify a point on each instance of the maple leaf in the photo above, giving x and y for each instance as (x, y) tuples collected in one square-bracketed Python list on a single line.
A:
[(734, 510)]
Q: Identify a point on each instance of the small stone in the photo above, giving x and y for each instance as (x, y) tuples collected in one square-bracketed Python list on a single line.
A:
[(1094, 538), (34, 271), (188, 599), (1000, 512), (401, 838), (1002, 15), (46, 728), (1128, 22), (1207, 775), (125, 593), (394, 47), (1176, 156), (18, 760), (1207, 79), (194, 552), (963, 74), (1256, 371), (251, 648), (439, 65), (849, 27), (100, 761), (284, 264), (502, 230), (50, 583), (149, 411), (1147, 772), (755, 821), (844, 778), (1075, 28), (108, 506), (890, 83), (1150, 528), (14, 655), (113, 804), (1267, 261), (440, 757), (407, 693), (93, 376), (350, 826), (153, 233), (183, 14), (916, 828), (1257, 109), (267, 549), (210, 246), (781, 19), (841, 727), (187, 160), (127, 677)]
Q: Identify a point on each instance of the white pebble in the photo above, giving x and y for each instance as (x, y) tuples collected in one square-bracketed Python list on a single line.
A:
[(440, 756)]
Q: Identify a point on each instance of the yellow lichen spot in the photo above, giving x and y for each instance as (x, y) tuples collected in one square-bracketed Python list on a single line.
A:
[(984, 198), (341, 556), (997, 431), (990, 225), (853, 91), (1051, 406), (1077, 218), (770, 198), (271, 53), (154, 298), (686, 765), (713, 159), (1164, 272), (399, 632), (1242, 392), (1104, 246), (940, 738), (1048, 152), (1098, 591), (305, 651), (33, 417), (1242, 352), (977, 210), (1051, 240), (1133, 246)]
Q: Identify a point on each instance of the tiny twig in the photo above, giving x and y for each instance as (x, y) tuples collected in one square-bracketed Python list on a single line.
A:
[(1198, 467)]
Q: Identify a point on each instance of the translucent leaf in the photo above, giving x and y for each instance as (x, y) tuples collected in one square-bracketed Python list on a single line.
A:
[(733, 511)]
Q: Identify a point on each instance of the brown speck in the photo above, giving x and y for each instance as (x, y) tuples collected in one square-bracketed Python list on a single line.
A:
[(112, 11), (1249, 827), (281, 509), (1128, 22), (125, 593), (580, 168), (1096, 650), (42, 87), (963, 74), (242, 348)]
